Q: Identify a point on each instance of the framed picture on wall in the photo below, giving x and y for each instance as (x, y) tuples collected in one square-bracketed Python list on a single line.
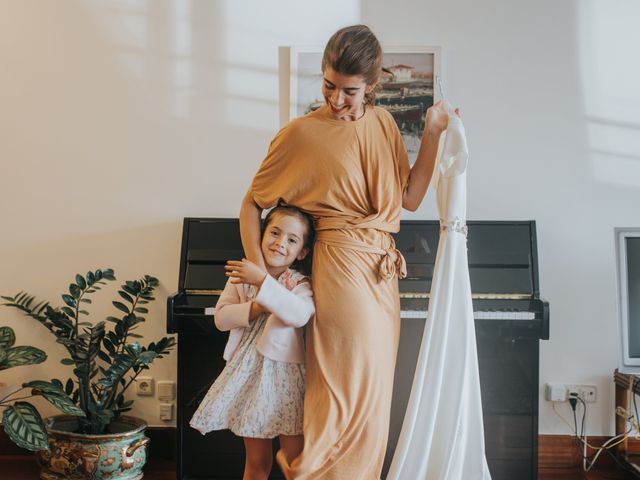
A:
[(407, 88)]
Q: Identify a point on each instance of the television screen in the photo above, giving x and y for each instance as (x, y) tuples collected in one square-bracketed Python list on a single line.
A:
[(628, 262), (633, 294)]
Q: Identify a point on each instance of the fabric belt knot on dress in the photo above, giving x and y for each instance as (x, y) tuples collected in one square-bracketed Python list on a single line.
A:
[(392, 262), (456, 225)]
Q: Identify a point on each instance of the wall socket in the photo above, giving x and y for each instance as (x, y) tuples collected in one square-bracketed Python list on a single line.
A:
[(144, 386), (560, 392)]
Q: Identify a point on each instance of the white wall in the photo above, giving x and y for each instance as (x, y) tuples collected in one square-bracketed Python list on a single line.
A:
[(119, 118)]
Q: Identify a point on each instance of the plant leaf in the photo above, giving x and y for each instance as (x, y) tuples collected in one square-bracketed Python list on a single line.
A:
[(25, 427), (107, 274), (126, 296), (74, 290), (63, 403), (108, 344), (23, 355), (121, 306), (145, 358), (43, 386), (81, 282), (104, 357), (69, 300), (68, 387), (7, 337)]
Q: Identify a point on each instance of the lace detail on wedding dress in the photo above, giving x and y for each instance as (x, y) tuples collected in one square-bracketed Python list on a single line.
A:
[(456, 225)]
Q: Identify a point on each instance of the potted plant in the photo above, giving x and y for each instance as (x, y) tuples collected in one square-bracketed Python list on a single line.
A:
[(22, 422), (100, 442)]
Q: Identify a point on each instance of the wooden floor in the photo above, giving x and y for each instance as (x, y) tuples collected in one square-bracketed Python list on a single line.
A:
[(24, 468)]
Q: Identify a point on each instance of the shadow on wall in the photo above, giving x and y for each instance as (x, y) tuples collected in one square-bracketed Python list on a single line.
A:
[(608, 39)]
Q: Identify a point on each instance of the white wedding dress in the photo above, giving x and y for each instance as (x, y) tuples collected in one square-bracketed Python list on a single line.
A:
[(442, 435)]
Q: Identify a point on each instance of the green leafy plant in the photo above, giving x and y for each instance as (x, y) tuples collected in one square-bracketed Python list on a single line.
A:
[(21, 420), (106, 362)]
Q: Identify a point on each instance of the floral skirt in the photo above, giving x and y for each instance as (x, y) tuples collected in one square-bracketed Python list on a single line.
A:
[(254, 396)]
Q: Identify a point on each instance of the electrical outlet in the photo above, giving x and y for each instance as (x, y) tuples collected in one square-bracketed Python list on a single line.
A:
[(585, 392), (560, 392), (144, 386), (588, 393)]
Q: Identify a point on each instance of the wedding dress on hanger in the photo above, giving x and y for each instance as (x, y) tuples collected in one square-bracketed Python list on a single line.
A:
[(442, 436)]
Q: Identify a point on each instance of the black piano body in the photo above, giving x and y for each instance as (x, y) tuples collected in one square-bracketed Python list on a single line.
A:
[(510, 321)]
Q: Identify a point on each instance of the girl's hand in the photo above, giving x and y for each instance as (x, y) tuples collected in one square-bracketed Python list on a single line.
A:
[(245, 271), (437, 119)]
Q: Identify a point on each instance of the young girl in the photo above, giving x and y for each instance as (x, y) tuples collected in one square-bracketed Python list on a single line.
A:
[(259, 394)]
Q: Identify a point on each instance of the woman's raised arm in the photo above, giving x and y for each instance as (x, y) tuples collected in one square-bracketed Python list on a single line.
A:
[(250, 213), (436, 122)]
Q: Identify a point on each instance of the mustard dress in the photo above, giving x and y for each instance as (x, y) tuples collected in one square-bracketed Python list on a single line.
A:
[(350, 177)]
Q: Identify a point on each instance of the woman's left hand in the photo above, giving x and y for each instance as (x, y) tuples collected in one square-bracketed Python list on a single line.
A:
[(245, 271)]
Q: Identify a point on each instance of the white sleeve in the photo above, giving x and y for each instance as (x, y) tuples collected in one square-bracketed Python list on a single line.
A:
[(231, 312), (294, 307)]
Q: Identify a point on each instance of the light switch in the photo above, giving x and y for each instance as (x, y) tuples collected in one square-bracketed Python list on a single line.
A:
[(166, 411), (166, 390)]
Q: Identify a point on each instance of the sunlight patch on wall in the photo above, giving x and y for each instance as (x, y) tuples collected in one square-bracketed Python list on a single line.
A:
[(608, 41), (254, 31), (182, 62), (127, 27), (135, 31)]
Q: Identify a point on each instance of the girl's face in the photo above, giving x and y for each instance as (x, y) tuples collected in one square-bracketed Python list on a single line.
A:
[(344, 94), (283, 242)]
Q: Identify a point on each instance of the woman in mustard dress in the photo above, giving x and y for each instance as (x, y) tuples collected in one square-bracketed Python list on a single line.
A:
[(346, 165)]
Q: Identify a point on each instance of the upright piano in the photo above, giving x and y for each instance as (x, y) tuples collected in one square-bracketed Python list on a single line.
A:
[(510, 320)]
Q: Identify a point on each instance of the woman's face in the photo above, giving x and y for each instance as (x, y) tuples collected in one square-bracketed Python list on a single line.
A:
[(344, 94)]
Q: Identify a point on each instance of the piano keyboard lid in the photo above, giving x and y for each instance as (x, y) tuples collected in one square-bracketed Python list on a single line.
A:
[(503, 258)]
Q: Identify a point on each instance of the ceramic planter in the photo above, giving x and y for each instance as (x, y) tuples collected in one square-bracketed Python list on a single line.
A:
[(118, 455)]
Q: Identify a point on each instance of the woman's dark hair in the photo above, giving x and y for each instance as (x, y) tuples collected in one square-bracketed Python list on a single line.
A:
[(303, 266), (355, 50)]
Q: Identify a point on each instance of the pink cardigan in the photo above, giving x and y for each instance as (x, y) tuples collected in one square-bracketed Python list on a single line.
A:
[(290, 301)]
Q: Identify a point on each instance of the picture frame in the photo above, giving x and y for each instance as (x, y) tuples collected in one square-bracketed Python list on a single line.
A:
[(406, 90)]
